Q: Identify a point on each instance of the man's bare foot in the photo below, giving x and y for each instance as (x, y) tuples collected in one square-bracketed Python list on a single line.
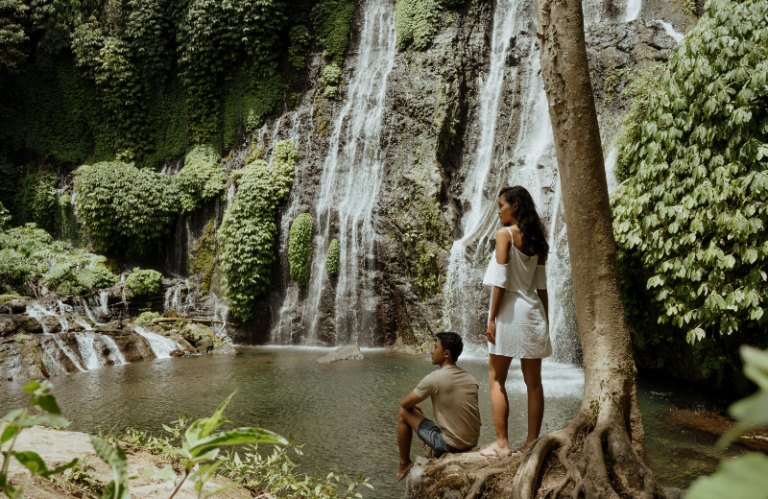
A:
[(404, 471), (494, 450)]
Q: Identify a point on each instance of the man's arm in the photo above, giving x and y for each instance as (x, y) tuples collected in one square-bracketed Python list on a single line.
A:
[(411, 400)]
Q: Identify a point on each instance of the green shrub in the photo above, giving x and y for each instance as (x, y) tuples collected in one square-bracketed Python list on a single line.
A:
[(15, 268), (693, 153), (300, 248), (122, 206), (146, 318), (300, 39), (27, 237), (201, 179), (144, 282), (332, 261), (248, 230), (75, 270), (332, 74), (331, 92), (332, 20)]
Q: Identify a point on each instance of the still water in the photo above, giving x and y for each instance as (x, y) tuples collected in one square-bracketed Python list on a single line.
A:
[(345, 413)]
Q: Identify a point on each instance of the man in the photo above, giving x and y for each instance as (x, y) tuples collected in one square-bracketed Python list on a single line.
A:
[(35, 283), (454, 401)]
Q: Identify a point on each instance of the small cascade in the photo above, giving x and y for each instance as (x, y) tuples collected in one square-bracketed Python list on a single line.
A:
[(610, 163), (670, 30), (351, 176), (162, 347), (178, 298), (632, 10), (38, 311), (87, 351), (67, 351), (220, 312), (115, 355)]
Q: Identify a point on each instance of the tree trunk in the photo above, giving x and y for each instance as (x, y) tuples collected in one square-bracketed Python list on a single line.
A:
[(603, 448)]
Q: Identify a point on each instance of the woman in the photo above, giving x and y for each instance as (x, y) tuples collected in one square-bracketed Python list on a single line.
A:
[(518, 319)]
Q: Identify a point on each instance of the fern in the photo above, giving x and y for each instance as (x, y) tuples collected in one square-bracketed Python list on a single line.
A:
[(96, 277)]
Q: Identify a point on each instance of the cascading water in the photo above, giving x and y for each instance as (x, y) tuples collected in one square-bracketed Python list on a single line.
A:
[(88, 353), (531, 164), (350, 182), (162, 347)]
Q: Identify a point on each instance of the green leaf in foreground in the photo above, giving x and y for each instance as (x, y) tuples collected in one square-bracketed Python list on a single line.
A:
[(745, 477)]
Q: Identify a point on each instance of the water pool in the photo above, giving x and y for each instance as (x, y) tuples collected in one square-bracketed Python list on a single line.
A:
[(345, 413)]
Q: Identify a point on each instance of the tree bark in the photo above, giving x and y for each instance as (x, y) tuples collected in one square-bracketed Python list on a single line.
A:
[(603, 448)]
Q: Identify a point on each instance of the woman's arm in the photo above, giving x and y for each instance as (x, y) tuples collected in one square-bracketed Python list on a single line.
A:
[(503, 245), (545, 300)]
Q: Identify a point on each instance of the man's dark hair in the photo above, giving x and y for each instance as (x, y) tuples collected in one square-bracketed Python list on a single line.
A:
[(451, 342)]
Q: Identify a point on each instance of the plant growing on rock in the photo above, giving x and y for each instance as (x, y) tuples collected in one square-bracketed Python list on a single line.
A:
[(248, 230), (144, 282), (146, 318), (332, 260), (123, 206), (331, 19), (300, 248), (693, 157), (201, 179), (417, 21)]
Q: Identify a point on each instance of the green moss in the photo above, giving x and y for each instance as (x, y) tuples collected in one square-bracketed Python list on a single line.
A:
[(332, 260), (332, 20), (144, 282), (417, 21), (203, 258), (300, 248), (146, 318)]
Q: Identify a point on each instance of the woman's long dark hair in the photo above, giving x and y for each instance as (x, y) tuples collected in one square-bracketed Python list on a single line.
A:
[(528, 221)]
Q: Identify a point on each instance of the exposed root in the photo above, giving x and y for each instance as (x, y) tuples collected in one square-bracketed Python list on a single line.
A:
[(479, 485)]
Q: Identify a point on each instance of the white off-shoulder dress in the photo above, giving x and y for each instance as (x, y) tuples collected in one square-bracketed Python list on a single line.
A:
[(521, 325)]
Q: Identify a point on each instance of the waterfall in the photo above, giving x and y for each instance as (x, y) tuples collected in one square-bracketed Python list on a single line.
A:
[(67, 351), (162, 347), (115, 355), (632, 10), (87, 351), (351, 177), (670, 30)]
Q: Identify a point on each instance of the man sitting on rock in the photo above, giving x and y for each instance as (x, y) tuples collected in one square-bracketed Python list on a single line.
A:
[(454, 401)]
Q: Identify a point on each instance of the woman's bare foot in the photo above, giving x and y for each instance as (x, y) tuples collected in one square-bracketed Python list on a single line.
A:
[(404, 471), (493, 449), (522, 448)]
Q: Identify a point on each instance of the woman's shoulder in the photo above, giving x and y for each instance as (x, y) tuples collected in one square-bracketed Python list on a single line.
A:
[(504, 234)]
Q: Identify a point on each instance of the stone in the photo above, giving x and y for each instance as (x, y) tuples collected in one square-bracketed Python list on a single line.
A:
[(225, 348), (205, 344), (349, 352), (673, 493), (177, 353), (11, 324)]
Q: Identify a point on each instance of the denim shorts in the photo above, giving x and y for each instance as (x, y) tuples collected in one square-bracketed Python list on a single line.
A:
[(432, 435)]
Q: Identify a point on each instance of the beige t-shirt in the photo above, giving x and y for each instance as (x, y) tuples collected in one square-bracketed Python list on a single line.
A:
[(454, 401)]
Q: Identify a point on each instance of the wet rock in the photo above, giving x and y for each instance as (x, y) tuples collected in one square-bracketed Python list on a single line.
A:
[(177, 353), (12, 324), (204, 345), (673, 493), (225, 348), (16, 306), (349, 352)]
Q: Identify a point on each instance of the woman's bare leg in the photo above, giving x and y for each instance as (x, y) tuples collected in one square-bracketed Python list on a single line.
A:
[(498, 368), (532, 375)]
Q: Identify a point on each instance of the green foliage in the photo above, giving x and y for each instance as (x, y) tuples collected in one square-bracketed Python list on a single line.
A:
[(417, 21), (12, 35), (334, 254), (248, 230), (332, 74), (5, 218), (331, 92), (203, 259), (42, 400), (276, 475), (743, 477), (146, 318), (36, 200), (144, 282), (201, 179), (332, 19), (122, 206), (300, 39), (300, 248), (75, 271), (427, 271), (693, 159)]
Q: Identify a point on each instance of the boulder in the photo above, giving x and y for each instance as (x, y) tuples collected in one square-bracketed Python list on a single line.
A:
[(205, 344), (11, 324), (177, 353), (349, 352), (225, 348), (15, 306)]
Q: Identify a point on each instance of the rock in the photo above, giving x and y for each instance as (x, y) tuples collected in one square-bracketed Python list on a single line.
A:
[(177, 353), (349, 352), (717, 425), (58, 447), (205, 344), (15, 306), (11, 324), (171, 314), (225, 348)]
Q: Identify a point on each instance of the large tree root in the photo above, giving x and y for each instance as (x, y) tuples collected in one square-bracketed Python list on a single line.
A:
[(605, 466)]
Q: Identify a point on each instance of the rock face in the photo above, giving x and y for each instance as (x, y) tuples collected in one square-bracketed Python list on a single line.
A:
[(349, 352)]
